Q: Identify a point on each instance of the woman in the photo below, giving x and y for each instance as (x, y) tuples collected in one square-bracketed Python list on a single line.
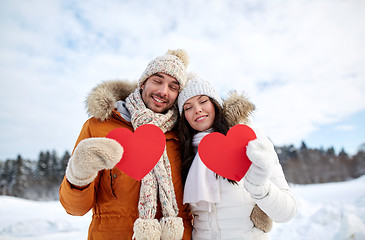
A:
[(222, 208)]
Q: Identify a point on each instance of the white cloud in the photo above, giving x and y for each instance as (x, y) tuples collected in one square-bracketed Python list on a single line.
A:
[(345, 127)]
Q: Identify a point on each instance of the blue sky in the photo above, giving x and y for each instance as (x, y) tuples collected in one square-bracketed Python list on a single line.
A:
[(301, 62)]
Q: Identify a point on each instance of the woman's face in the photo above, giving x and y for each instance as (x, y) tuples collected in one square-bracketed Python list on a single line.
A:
[(199, 112)]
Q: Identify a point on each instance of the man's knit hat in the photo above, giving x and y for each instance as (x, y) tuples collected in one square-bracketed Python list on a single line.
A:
[(197, 86), (173, 63)]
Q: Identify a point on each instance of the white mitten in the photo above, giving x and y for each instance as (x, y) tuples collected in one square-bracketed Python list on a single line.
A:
[(262, 154), (90, 156)]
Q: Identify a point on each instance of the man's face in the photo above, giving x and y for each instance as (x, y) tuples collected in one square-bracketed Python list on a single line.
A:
[(159, 92)]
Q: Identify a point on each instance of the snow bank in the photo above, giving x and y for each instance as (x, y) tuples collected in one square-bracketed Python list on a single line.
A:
[(25, 219), (325, 211)]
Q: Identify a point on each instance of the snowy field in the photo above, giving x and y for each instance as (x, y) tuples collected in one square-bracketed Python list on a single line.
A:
[(326, 211)]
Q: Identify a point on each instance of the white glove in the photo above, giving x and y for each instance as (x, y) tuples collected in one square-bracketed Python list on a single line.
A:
[(90, 156), (262, 154)]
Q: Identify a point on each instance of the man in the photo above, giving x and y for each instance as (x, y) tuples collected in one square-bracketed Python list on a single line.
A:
[(124, 208)]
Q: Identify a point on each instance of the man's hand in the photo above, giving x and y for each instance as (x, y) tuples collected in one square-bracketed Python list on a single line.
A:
[(90, 156)]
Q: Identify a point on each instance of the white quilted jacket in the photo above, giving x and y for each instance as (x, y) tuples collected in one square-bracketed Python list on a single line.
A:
[(230, 218)]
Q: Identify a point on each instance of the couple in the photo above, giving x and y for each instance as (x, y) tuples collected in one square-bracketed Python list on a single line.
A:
[(180, 198)]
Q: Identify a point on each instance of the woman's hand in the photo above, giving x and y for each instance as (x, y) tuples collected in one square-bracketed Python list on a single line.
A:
[(262, 154)]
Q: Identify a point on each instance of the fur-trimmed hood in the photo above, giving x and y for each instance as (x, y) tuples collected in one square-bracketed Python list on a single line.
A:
[(237, 108), (101, 100)]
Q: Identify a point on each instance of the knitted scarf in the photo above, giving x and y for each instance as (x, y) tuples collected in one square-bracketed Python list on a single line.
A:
[(201, 187), (158, 181)]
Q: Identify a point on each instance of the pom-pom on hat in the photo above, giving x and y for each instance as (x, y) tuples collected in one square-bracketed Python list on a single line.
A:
[(173, 63), (196, 86)]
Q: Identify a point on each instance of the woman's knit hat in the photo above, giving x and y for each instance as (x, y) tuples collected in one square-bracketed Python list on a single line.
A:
[(196, 86), (173, 63)]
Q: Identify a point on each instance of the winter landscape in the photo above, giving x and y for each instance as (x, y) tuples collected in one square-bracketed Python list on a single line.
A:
[(326, 211), (301, 62)]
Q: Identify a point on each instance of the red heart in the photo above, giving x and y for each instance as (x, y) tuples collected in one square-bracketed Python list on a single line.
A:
[(142, 149), (226, 155)]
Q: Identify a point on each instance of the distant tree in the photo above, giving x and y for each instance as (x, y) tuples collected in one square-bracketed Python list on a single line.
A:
[(22, 175), (331, 151), (44, 166), (53, 166), (361, 148), (343, 154), (64, 160), (359, 164), (8, 177), (3, 172), (41, 165), (303, 146)]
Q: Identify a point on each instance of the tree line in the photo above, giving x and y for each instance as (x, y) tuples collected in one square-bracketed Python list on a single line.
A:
[(306, 165), (30, 179), (40, 179)]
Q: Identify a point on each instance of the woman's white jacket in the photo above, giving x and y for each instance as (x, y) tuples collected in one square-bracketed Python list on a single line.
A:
[(230, 217)]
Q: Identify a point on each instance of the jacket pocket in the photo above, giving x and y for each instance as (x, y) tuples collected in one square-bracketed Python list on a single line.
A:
[(107, 183), (117, 179), (112, 176)]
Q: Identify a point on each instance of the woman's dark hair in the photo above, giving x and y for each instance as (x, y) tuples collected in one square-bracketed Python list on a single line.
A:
[(186, 134)]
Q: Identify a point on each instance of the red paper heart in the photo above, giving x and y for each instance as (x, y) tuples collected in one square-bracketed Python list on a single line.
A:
[(226, 155), (142, 149)]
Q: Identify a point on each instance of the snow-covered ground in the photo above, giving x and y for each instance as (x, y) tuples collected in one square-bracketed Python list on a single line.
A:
[(326, 211)]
